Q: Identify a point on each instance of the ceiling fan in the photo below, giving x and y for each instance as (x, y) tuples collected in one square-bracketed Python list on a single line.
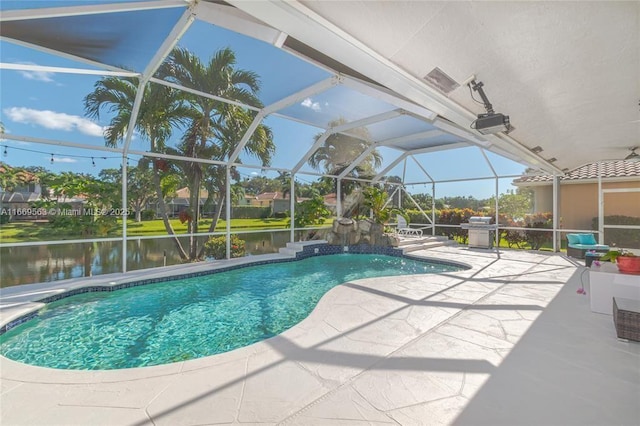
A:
[(634, 156)]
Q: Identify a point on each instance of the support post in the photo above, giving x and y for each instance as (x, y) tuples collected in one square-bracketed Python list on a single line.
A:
[(228, 211), (124, 212), (292, 208), (556, 210), (433, 208), (497, 236), (338, 198), (600, 206)]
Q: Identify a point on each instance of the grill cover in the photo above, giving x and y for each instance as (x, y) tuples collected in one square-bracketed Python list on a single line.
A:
[(479, 220)]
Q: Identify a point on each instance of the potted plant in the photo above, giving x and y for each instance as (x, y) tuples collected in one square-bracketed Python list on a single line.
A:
[(627, 262)]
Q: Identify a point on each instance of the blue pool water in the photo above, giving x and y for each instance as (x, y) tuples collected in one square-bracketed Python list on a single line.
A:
[(189, 318)]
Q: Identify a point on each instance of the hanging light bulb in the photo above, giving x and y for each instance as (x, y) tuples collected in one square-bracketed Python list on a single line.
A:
[(93, 162), (5, 153), (51, 158)]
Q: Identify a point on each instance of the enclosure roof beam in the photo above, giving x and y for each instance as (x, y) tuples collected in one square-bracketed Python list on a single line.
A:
[(63, 70), (314, 89), (384, 95), (484, 154), (203, 94), (422, 168), (342, 128), (278, 105), (168, 44), (311, 150), (247, 135), (390, 166), (357, 161), (410, 138), (372, 119), (57, 12), (437, 148)]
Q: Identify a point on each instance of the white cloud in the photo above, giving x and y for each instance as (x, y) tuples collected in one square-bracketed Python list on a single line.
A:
[(37, 75), (308, 103), (54, 120), (64, 160)]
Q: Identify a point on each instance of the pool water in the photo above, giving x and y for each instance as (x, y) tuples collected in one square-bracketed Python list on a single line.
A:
[(189, 318)]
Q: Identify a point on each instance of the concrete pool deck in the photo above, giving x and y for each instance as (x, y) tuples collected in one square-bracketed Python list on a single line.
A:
[(508, 341)]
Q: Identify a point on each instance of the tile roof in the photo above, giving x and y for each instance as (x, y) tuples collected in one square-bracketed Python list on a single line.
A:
[(272, 196), (612, 169)]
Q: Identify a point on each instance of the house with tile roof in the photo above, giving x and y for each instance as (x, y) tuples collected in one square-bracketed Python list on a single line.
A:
[(579, 195)]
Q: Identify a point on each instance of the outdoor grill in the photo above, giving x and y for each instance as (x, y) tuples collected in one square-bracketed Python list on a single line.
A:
[(481, 231)]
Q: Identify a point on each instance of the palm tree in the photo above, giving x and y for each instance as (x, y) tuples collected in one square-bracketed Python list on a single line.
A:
[(162, 109), (340, 150), (338, 153), (215, 127)]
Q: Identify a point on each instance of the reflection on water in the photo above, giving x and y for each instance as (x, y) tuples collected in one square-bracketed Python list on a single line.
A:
[(25, 265)]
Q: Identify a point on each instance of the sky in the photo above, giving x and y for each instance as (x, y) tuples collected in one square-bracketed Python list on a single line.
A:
[(50, 106)]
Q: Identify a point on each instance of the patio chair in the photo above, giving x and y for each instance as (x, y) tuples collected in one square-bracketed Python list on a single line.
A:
[(403, 229), (579, 244)]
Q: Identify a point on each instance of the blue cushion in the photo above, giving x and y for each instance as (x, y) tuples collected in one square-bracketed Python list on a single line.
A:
[(587, 239), (573, 238), (589, 246)]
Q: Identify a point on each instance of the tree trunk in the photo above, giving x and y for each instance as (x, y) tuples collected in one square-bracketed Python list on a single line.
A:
[(215, 219), (194, 201), (163, 213), (138, 213)]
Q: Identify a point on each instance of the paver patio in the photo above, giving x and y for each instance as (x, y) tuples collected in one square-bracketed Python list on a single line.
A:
[(508, 341)]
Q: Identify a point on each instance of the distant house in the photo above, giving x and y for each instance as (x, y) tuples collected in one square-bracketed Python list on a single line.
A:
[(578, 192), (180, 202), (277, 201), (21, 197)]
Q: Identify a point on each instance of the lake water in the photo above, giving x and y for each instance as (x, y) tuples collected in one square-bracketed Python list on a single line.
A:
[(26, 265)]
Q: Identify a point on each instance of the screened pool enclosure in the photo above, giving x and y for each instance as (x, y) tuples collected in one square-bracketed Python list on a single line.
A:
[(114, 112)]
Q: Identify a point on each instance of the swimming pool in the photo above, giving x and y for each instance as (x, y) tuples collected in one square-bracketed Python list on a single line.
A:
[(190, 318)]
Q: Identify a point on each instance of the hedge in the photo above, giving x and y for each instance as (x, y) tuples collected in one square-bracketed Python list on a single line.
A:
[(629, 238)]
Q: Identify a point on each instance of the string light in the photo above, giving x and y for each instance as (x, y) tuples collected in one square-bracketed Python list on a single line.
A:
[(52, 159)]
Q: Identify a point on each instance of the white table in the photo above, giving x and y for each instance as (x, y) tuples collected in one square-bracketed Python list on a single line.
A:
[(607, 282)]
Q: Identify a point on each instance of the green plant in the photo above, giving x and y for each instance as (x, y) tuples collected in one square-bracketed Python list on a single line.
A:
[(216, 247), (534, 236), (376, 200), (612, 255)]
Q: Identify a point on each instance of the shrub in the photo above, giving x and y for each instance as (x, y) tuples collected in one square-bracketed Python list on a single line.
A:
[(250, 212), (415, 216), (620, 237), (537, 239), (216, 247), (148, 215), (456, 217)]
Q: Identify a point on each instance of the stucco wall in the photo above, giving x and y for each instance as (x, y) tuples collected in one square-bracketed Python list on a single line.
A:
[(543, 199), (579, 202)]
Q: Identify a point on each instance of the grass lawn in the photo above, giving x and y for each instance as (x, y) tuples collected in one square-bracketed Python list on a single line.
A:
[(41, 231)]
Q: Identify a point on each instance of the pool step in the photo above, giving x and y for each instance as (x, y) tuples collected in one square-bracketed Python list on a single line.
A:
[(292, 248), (422, 243), (407, 244)]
